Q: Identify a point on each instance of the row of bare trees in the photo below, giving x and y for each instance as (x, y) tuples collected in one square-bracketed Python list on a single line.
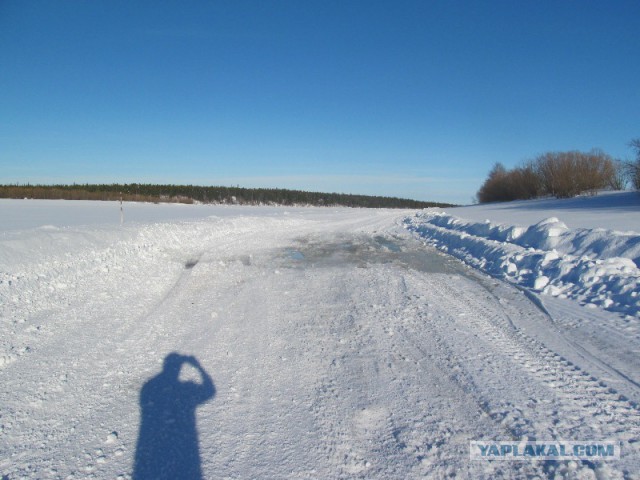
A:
[(562, 175)]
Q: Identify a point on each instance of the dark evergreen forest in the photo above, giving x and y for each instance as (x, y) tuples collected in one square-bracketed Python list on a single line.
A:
[(218, 195)]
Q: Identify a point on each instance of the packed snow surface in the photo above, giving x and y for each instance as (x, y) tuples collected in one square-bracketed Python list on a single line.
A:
[(290, 343)]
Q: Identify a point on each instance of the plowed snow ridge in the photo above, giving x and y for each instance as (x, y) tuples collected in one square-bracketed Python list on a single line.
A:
[(595, 266)]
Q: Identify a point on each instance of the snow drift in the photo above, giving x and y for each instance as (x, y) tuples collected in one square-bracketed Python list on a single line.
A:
[(598, 267)]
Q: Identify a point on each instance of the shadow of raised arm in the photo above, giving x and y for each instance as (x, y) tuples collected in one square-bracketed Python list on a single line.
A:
[(205, 390)]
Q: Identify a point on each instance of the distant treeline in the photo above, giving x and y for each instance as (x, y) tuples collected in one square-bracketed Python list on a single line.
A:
[(561, 175), (137, 192)]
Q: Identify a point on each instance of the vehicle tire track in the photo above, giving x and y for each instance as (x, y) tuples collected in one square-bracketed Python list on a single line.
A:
[(557, 400)]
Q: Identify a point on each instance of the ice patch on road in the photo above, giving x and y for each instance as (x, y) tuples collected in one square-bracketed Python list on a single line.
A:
[(364, 251)]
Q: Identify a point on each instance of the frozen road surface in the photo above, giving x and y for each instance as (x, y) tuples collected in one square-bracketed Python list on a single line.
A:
[(318, 343)]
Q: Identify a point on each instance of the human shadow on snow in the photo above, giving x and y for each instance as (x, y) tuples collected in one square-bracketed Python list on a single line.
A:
[(167, 445)]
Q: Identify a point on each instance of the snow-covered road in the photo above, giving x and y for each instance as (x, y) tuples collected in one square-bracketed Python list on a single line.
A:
[(338, 345)]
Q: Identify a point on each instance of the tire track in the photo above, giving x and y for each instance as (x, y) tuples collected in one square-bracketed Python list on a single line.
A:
[(555, 399)]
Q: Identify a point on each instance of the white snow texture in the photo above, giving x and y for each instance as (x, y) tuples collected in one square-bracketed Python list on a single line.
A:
[(596, 266), (309, 343)]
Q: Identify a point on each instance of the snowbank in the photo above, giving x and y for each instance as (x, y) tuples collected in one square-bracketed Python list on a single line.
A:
[(598, 267)]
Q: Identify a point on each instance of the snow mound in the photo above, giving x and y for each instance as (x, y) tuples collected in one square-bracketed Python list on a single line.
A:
[(595, 266), (544, 235)]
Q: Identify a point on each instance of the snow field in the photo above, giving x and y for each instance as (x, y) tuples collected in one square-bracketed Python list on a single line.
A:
[(340, 347)]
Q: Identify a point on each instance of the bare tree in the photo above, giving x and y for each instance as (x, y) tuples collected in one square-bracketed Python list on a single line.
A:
[(633, 167), (495, 187), (619, 177)]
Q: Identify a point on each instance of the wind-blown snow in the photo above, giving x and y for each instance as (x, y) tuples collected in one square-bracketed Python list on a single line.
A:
[(619, 211), (291, 343), (598, 267), (24, 214)]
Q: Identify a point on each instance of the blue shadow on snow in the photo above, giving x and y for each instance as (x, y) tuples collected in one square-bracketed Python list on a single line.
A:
[(167, 445)]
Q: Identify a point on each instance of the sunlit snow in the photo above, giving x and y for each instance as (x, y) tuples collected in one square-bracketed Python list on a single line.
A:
[(235, 342)]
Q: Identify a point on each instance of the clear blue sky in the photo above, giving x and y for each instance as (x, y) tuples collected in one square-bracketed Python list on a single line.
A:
[(414, 99)]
